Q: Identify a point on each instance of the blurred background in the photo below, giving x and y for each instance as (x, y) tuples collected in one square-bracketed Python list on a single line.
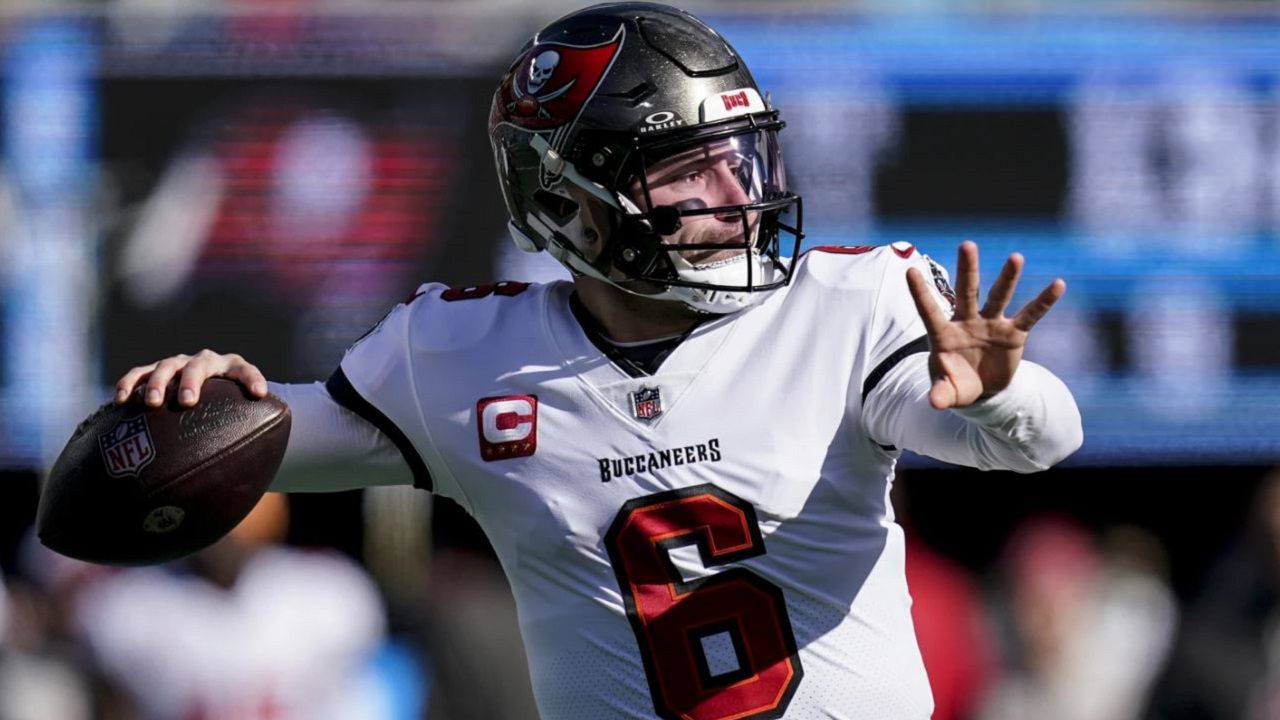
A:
[(269, 177)]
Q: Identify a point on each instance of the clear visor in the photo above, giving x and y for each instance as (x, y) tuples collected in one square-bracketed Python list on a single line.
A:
[(706, 200), (736, 170)]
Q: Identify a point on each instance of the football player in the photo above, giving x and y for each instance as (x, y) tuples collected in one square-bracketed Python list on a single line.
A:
[(683, 456)]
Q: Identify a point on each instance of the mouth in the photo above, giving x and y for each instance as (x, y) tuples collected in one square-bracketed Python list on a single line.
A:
[(733, 257), (711, 258)]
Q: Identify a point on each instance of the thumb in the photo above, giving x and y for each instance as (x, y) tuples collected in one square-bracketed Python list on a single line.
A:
[(943, 394), (954, 382)]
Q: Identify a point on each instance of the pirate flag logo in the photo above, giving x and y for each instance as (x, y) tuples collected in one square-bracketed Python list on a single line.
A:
[(549, 85), (940, 282)]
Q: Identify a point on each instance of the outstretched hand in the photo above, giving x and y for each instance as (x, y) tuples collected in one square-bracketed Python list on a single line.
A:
[(974, 353)]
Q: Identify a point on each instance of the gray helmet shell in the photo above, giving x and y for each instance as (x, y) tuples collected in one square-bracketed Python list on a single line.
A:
[(594, 97)]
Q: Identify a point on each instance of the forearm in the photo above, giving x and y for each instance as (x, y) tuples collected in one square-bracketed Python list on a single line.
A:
[(1029, 426), (331, 448)]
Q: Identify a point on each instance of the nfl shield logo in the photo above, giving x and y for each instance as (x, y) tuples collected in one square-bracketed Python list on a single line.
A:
[(646, 403), (127, 447)]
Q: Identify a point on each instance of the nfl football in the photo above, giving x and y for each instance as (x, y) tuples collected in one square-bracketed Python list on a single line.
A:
[(137, 485)]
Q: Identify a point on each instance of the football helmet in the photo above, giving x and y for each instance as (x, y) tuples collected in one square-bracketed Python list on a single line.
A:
[(632, 144)]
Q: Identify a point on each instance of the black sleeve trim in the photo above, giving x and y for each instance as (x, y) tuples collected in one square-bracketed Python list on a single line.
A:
[(920, 344), (345, 394)]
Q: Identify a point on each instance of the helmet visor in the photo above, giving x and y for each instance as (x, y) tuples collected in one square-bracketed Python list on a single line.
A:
[(716, 206), (705, 200)]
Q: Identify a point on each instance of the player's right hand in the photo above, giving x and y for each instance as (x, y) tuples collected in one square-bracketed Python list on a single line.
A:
[(973, 354), (191, 371)]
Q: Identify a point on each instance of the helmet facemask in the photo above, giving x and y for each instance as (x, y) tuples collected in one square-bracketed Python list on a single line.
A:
[(703, 219), (699, 220)]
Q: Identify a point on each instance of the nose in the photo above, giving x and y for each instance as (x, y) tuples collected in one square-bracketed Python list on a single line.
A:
[(732, 192)]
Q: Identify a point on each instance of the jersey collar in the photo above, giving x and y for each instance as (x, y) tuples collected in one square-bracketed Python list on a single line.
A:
[(609, 375)]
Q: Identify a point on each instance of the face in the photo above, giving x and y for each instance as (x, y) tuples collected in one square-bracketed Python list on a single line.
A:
[(714, 175)]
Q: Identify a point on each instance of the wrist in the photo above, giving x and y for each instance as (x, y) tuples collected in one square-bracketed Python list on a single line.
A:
[(996, 407)]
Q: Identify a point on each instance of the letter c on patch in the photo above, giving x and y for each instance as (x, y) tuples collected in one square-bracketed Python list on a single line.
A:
[(507, 420), (508, 426)]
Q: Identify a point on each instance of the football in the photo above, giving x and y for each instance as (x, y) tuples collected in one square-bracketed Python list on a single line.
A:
[(137, 485)]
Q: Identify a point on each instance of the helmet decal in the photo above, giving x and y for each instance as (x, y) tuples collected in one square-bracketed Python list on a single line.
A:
[(549, 85), (742, 101)]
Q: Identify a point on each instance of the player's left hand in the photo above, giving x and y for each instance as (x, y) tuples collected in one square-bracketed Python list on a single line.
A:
[(974, 353)]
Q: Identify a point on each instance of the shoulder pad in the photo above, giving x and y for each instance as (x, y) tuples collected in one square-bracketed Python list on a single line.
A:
[(853, 266), (446, 319)]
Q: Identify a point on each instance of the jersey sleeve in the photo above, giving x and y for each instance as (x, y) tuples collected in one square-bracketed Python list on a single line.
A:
[(376, 381), (326, 434), (896, 330), (1029, 426)]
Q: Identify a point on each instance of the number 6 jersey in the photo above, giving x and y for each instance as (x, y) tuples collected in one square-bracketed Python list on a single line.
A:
[(713, 540)]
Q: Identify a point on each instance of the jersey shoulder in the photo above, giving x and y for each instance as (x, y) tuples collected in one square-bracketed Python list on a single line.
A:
[(867, 286), (442, 319), (437, 332), (864, 268)]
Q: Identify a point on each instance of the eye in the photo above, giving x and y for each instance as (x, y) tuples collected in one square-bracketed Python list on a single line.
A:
[(690, 178)]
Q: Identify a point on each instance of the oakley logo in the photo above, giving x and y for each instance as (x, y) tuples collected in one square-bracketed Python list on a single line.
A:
[(661, 120)]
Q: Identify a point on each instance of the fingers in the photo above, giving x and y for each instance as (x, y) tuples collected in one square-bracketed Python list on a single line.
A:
[(248, 375), (1002, 291), (967, 281), (955, 383), (153, 394), (202, 366), (934, 319), (191, 371), (207, 364), (1031, 313), (130, 380)]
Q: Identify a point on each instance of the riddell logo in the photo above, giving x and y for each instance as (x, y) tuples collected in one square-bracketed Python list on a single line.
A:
[(738, 99), (508, 426)]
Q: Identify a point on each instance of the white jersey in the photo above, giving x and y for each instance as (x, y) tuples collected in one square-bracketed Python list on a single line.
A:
[(711, 541)]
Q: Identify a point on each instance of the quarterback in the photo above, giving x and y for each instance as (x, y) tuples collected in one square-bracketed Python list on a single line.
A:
[(683, 456)]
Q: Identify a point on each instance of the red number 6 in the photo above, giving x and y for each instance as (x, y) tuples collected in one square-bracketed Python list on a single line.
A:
[(671, 617)]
